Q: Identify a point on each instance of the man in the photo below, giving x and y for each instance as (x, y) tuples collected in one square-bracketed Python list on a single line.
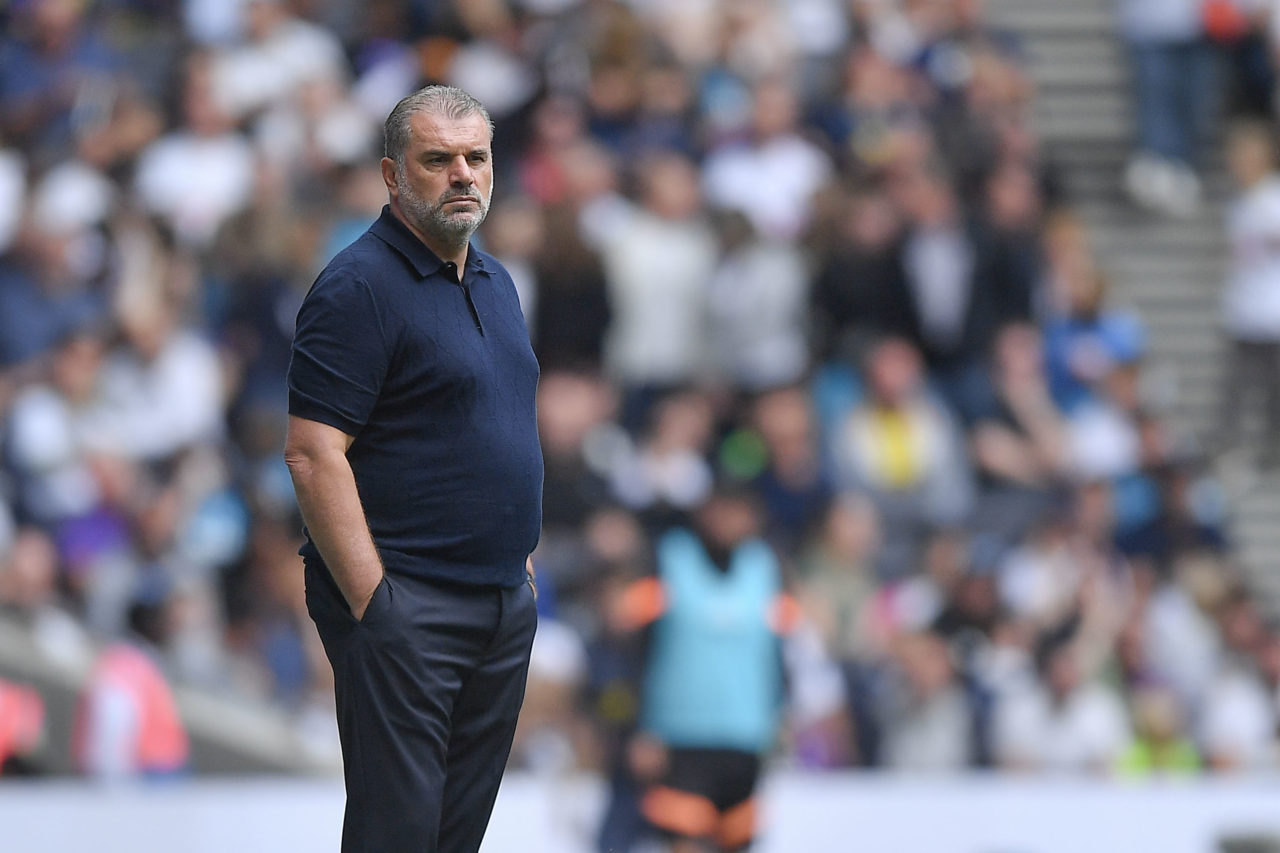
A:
[(414, 454), (1251, 298), (713, 690)]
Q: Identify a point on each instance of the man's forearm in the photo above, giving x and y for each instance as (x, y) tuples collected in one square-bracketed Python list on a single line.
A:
[(330, 504)]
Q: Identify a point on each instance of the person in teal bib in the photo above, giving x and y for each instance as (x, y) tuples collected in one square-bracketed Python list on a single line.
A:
[(713, 687)]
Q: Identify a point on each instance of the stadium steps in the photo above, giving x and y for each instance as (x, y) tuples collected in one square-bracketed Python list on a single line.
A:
[(1168, 271), (228, 735)]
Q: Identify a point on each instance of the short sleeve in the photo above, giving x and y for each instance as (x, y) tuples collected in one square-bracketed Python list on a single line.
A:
[(340, 353)]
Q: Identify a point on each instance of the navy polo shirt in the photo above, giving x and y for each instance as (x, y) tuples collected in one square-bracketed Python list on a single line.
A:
[(433, 375)]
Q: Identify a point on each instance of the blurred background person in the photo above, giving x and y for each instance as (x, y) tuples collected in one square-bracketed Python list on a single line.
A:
[(756, 309), (713, 687), (21, 729), (926, 719), (1175, 96), (902, 447), (1067, 725), (1161, 746), (1251, 297), (772, 175), (659, 256), (128, 726)]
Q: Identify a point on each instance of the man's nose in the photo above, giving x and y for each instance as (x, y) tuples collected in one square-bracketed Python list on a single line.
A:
[(460, 174)]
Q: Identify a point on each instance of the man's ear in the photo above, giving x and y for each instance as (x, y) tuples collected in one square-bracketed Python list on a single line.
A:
[(389, 175)]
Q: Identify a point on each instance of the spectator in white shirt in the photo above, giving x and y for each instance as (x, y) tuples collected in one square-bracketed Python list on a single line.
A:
[(926, 719), (1238, 717), (658, 257), (163, 391), (281, 54), (1063, 723), (51, 428), (1251, 299), (1182, 640), (198, 176), (757, 304), (773, 177), (668, 472)]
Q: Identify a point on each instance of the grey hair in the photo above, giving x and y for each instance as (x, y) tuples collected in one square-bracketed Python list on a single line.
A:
[(448, 101)]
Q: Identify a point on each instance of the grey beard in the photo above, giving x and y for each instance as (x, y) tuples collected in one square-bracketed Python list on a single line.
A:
[(431, 218)]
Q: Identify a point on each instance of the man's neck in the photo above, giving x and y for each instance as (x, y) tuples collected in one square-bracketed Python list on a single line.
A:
[(450, 254)]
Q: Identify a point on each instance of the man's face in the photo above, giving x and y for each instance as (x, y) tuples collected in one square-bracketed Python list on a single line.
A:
[(444, 186)]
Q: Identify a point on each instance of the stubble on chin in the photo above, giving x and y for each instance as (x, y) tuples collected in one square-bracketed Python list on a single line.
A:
[(451, 229)]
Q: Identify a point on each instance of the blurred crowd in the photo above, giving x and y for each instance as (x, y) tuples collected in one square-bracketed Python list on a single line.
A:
[(813, 249)]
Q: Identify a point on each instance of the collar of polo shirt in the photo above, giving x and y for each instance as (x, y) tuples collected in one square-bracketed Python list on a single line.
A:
[(424, 261)]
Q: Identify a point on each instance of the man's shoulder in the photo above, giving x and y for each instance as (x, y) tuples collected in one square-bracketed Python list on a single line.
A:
[(357, 263), (343, 286)]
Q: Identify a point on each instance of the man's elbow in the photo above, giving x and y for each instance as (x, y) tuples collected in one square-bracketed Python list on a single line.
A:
[(301, 461), (311, 449)]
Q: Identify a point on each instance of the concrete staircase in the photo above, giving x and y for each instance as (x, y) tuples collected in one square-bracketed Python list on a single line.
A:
[(1168, 271)]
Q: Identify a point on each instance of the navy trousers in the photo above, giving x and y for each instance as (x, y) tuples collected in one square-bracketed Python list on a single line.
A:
[(428, 685)]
